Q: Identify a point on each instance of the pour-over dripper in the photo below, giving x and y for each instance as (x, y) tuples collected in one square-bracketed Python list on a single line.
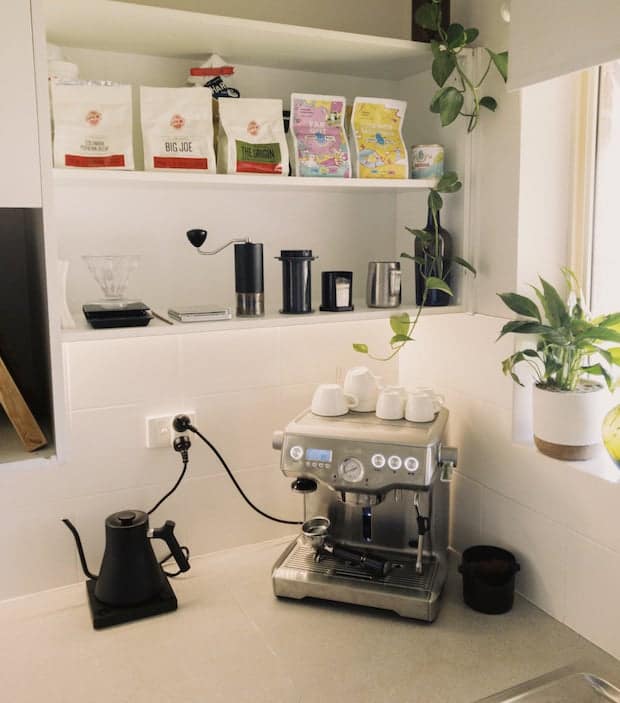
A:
[(112, 274)]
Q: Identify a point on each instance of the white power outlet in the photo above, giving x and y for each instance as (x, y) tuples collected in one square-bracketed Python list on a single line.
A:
[(159, 430)]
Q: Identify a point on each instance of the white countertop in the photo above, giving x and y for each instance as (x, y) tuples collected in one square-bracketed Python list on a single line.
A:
[(232, 640)]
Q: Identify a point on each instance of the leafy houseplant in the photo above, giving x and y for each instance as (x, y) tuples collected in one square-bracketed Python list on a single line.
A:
[(570, 350), (449, 101)]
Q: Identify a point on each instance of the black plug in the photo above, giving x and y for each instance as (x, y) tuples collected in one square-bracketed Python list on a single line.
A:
[(182, 423), (182, 444)]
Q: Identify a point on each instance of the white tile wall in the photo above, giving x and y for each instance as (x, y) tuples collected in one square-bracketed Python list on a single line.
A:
[(243, 385), (592, 593), (561, 519)]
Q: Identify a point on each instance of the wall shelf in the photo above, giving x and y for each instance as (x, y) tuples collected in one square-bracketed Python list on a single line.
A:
[(101, 177), (140, 29), (84, 333)]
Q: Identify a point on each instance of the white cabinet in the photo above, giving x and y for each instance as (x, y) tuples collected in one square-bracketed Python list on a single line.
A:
[(20, 174)]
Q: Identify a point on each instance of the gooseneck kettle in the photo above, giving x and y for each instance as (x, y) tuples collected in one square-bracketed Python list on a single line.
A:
[(130, 574)]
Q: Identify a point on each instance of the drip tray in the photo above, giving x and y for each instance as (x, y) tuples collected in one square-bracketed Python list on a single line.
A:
[(298, 575)]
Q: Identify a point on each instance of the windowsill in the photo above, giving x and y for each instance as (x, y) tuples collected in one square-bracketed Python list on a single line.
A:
[(601, 466)]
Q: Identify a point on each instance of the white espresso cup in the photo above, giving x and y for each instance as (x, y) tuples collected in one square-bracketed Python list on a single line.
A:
[(391, 403), (438, 400), (420, 407), (364, 385), (330, 400)]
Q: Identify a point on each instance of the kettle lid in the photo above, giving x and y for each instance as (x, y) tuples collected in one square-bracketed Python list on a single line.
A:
[(127, 519)]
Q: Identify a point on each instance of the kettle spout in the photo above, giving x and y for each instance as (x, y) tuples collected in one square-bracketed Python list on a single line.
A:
[(78, 544)]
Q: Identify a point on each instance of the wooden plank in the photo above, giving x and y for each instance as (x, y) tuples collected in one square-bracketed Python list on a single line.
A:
[(19, 413)]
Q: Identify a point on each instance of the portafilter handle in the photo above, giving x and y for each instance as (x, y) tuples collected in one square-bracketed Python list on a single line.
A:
[(166, 532), (375, 566)]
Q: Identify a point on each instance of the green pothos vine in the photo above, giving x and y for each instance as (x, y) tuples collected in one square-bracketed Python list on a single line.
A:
[(462, 98)]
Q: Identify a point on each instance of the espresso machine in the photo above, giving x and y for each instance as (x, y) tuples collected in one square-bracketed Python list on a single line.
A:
[(376, 510)]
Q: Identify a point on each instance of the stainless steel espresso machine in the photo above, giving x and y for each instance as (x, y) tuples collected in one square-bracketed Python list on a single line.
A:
[(376, 506)]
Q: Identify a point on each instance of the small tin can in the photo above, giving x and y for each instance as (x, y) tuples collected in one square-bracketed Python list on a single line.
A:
[(427, 161)]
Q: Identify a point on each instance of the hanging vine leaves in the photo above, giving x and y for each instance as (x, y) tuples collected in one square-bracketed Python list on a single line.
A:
[(446, 47)]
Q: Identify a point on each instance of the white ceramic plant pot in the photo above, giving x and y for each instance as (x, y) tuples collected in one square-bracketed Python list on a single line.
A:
[(567, 424)]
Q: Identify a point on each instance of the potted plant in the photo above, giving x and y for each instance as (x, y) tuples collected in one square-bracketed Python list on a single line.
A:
[(568, 361)]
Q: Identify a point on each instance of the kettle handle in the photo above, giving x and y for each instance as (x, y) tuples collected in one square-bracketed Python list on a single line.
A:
[(166, 532)]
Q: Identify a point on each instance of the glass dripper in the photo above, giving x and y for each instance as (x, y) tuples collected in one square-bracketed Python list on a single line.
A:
[(112, 274)]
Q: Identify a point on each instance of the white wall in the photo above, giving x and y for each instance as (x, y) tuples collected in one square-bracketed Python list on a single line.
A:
[(559, 518), (243, 385)]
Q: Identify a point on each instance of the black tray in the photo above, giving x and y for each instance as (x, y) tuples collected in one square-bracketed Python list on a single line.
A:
[(130, 315)]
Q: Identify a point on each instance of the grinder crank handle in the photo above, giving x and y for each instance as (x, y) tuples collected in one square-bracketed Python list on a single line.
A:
[(166, 532), (377, 567)]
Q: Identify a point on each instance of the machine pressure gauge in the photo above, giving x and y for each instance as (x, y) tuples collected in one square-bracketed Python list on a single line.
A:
[(351, 470)]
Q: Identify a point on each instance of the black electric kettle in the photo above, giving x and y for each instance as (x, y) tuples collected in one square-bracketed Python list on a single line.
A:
[(130, 574)]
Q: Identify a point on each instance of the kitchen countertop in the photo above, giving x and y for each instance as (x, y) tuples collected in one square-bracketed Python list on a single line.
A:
[(232, 640)]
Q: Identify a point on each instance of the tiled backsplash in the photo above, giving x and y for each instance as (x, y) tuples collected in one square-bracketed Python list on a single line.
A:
[(243, 384), (561, 519)]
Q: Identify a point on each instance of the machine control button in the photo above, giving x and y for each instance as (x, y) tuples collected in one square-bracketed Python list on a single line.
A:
[(296, 452), (395, 462), (378, 461), (412, 464), (314, 464), (351, 470)]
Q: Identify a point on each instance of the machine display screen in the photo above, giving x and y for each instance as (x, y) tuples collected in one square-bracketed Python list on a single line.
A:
[(319, 455)]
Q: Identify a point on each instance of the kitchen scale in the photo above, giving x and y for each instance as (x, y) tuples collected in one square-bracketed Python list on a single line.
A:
[(114, 310)]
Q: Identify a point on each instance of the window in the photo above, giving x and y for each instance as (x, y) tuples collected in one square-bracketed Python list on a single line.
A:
[(605, 264)]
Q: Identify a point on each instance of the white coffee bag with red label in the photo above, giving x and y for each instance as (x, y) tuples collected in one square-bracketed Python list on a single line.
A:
[(92, 125), (251, 137), (177, 129)]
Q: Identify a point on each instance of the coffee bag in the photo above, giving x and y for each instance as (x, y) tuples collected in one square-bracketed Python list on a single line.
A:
[(251, 137), (177, 129), (92, 125), (319, 143), (378, 148)]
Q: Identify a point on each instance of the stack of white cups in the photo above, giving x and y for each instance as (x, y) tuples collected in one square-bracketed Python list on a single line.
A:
[(363, 392)]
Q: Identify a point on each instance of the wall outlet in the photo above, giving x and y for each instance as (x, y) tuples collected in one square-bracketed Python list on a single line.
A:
[(159, 430)]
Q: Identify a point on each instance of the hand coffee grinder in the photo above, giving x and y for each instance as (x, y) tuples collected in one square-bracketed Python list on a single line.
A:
[(249, 281)]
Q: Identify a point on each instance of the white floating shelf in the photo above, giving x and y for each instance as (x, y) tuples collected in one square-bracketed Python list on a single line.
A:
[(83, 332), (140, 29), (96, 177)]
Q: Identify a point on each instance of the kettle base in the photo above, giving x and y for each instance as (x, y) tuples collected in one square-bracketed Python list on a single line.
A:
[(104, 615)]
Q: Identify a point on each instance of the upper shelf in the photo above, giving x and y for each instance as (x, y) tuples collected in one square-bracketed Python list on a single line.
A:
[(141, 29), (202, 180)]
